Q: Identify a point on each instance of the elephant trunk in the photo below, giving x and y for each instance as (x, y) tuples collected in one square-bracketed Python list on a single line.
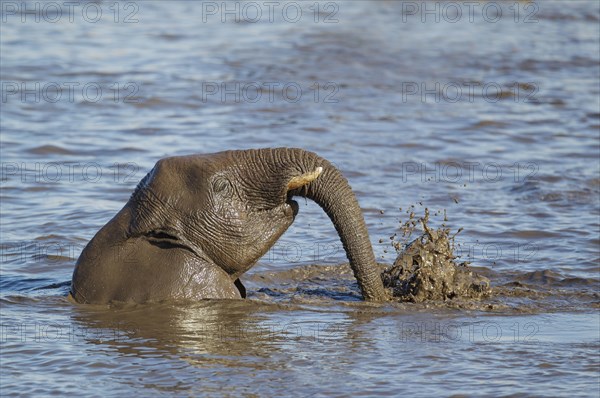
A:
[(333, 193)]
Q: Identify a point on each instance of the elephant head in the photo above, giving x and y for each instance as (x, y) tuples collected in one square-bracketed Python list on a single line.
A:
[(195, 223)]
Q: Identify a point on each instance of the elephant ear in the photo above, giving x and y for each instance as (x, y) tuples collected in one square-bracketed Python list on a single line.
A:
[(303, 179)]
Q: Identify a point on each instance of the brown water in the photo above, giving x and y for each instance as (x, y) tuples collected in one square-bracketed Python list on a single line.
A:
[(514, 161)]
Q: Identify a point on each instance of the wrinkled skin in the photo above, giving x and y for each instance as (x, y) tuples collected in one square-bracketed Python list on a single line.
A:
[(196, 223)]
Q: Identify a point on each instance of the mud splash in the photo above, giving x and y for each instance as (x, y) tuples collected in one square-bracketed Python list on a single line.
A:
[(426, 268)]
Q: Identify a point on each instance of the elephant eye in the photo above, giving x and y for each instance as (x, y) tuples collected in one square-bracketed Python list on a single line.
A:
[(221, 185)]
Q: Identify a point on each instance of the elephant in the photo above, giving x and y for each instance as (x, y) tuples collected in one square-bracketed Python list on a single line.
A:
[(196, 223)]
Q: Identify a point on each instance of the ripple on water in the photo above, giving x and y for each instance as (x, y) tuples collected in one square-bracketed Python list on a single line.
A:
[(50, 150)]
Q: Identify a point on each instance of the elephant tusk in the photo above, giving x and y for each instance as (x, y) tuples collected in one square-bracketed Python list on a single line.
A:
[(299, 181)]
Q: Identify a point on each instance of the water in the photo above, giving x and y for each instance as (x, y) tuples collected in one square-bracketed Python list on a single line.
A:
[(507, 143)]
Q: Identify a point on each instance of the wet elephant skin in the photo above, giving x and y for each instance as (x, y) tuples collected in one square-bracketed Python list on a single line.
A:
[(196, 223)]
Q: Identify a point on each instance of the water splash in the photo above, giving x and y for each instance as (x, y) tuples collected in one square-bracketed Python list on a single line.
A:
[(426, 268)]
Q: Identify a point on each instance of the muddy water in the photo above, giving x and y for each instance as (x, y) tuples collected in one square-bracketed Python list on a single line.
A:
[(492, 117)]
